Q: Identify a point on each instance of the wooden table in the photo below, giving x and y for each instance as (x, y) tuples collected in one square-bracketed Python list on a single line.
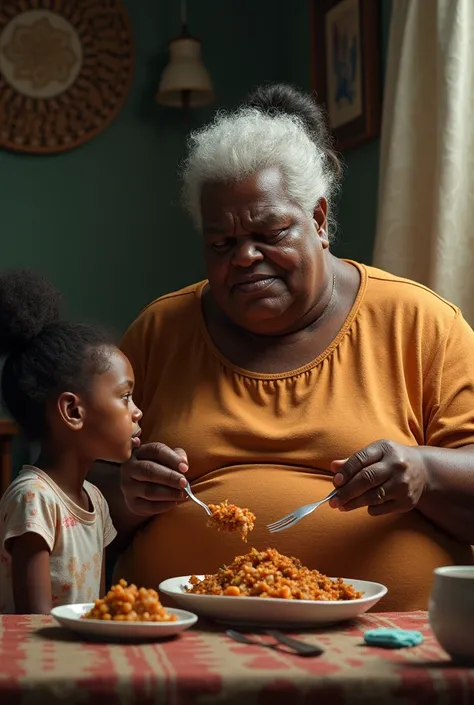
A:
[(42, 664), (8, 430)]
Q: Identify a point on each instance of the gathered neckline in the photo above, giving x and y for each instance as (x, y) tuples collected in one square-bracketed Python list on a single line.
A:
[(299, 370), (85, 516)]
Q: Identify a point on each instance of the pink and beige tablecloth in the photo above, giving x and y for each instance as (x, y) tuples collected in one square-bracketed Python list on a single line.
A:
[(41, 664)]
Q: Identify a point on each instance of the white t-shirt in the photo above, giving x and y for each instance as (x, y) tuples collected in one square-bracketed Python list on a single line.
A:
[(75, 537)]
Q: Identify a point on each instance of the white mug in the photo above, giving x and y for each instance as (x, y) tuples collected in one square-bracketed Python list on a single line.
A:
[(451, 610)]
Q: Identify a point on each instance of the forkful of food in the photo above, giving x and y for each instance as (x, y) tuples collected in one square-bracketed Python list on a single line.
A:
[(226, 517)]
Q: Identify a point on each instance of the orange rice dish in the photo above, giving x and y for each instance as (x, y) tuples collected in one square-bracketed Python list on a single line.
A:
[(270, 574), (127, 603), (230, 518)]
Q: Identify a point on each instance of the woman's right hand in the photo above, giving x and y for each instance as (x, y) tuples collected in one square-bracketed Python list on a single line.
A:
[(152, 480)]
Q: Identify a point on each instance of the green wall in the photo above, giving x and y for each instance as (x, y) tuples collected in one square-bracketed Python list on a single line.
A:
[(104, 221), (357, 207)]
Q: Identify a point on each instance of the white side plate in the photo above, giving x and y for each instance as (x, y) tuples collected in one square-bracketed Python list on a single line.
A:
[(273, 612), (70, 616)]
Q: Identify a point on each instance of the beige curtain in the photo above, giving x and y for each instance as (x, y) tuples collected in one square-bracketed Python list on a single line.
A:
[(425, 227)]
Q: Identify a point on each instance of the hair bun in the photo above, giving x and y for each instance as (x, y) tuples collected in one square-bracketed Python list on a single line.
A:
[(28, 303), (282, 98)]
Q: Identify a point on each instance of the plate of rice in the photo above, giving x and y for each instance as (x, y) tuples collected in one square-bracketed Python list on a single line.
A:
[(268, 589)]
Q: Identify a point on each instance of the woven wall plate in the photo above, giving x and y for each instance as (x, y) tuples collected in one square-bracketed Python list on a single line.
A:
[(65, 70)]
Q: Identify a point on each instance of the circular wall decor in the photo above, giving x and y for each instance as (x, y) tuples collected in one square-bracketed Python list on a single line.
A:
[(65, 71)]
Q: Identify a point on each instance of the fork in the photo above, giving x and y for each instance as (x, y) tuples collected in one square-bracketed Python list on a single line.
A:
[(190, 494), (294, 517), (299, 647)]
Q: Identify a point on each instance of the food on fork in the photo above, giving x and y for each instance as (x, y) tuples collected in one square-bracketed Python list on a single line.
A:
[(271, 574), (127, 603), (230, 518)]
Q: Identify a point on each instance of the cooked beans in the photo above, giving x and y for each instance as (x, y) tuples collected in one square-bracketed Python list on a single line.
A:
[(270, 574), (127, 603), (229, 517)]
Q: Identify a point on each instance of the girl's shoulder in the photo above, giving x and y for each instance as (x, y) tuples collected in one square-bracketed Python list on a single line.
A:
[(28, 481)]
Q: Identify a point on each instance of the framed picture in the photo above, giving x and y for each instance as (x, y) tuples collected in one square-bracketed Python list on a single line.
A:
[(345, 38)]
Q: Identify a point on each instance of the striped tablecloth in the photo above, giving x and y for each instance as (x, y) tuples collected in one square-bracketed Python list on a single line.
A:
[(40, 663)]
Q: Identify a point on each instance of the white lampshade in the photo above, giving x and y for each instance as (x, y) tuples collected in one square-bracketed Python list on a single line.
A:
[(185, 81)]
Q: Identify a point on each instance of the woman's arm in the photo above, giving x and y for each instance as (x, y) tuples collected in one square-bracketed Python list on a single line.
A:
[(31, 574), (436, 479), (448, 495), (150, 483), (106, 476), (388, 477), (448, 454)]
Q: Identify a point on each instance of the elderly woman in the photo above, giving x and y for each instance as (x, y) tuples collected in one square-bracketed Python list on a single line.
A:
[(289, 371)]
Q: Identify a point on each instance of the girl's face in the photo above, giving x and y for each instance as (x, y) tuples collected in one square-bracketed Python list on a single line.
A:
[(111, 428)]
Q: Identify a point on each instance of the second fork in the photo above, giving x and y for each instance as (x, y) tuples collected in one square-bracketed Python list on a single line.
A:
[(294, 517)]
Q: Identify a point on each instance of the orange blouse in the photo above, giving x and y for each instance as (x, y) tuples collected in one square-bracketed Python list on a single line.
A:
[(401, 368)]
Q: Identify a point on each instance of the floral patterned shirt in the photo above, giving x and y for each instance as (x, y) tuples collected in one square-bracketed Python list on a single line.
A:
[(76, 538)]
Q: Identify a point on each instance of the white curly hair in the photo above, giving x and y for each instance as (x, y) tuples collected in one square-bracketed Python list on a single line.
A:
[(237, 144)]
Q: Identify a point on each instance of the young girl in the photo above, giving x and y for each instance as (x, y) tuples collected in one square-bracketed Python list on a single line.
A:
[(70, 389)]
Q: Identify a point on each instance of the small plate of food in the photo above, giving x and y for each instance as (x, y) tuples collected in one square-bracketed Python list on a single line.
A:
[(126, 612), (268, 589)]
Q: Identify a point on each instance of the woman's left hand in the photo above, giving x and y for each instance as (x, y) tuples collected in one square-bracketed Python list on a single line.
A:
[(385, 476)]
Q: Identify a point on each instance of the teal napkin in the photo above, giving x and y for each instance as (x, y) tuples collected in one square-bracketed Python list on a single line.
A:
[(392, 638)]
